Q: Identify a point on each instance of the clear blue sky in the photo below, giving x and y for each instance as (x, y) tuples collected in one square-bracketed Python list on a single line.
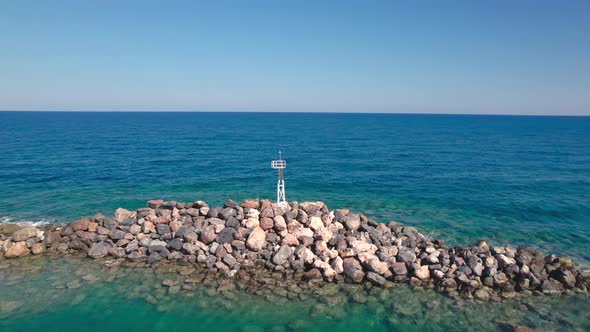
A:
[(509, 57)]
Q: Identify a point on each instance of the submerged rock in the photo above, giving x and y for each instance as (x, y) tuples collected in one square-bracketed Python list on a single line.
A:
[(99, 250)]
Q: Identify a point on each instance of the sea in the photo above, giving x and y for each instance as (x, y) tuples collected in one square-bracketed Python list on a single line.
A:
[(518, 180)]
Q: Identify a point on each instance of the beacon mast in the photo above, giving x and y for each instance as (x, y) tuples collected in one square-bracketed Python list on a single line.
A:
[(280, 165)]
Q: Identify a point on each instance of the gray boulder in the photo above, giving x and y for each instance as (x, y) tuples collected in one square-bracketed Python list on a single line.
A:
[(282, 255), (100, 249), (405, 254), (375, 278), (175, 244), (157, 246), (226, 235), (353, 269)]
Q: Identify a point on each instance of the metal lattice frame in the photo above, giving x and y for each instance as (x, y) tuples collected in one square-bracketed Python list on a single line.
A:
[(280, 165)]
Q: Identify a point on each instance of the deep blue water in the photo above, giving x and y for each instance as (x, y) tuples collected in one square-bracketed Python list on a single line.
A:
[(508, 179)]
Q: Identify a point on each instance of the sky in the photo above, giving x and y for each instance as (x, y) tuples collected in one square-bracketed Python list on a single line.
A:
[(480, 57)]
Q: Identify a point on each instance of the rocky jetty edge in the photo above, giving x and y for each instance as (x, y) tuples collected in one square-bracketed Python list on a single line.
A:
[(305, 241)]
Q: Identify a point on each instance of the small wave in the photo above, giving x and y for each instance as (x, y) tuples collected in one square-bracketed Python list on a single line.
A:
[(24, 222)]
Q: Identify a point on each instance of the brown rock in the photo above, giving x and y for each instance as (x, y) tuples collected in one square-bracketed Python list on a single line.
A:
[(81, 225), (377, 266), (313, 274), (92, 226), (252, 223), (303, 232), (316, 223), (208, 234), (353, 269), (122, 214), (279, 223), (16, 250), (37, 248), (421, 272), (250, 204), (290, 240), (257, 239), (103, 230), (135, 229), (155, 203), (293, 225), (175, 225), (352, 221), (266, 223), (483, 245), (24, 233), (148, 227)]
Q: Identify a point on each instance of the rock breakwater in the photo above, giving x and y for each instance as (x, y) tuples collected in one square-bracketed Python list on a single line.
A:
[(305, 241)]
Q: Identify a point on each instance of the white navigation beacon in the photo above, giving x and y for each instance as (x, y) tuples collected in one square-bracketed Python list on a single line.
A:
[(280, 165)]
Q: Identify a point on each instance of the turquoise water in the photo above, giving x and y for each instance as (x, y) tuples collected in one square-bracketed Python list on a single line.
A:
[(508, 179), (73, 294)]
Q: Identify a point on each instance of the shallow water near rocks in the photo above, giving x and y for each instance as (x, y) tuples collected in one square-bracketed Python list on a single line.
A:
[(53, 294)]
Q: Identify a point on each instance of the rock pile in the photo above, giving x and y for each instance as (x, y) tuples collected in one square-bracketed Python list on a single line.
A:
[(304, 239)]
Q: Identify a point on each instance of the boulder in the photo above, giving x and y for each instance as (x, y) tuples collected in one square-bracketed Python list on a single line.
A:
[(175, 244), (227, 213), (565, 276), (117, 234), (250, 204), (92, 227), (303, 232), (399, 268), (135, 229), (251, 223), (9, 228), (266, 223), (290, 240), (316, 223), (154, 258), (282, 255), (163, 229), (128, 222), (256, 240), (17, 249), (377, 266), (362, 246), (24, 233), (100, 249), (226, 235), (337, 264), (37, 248), (175, 225), (136, 256), (122, 214), (312, 274), (406, 254), (157, 246), (352, 221), (421, 272), (504, 261), (155, 203), (353, 269), (81, 225), (431, 259), (549, 286), (279, 223), (208, 234), (375, 278)]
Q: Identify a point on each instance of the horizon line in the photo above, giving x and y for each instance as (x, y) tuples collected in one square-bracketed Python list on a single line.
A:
[(293, 112)]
